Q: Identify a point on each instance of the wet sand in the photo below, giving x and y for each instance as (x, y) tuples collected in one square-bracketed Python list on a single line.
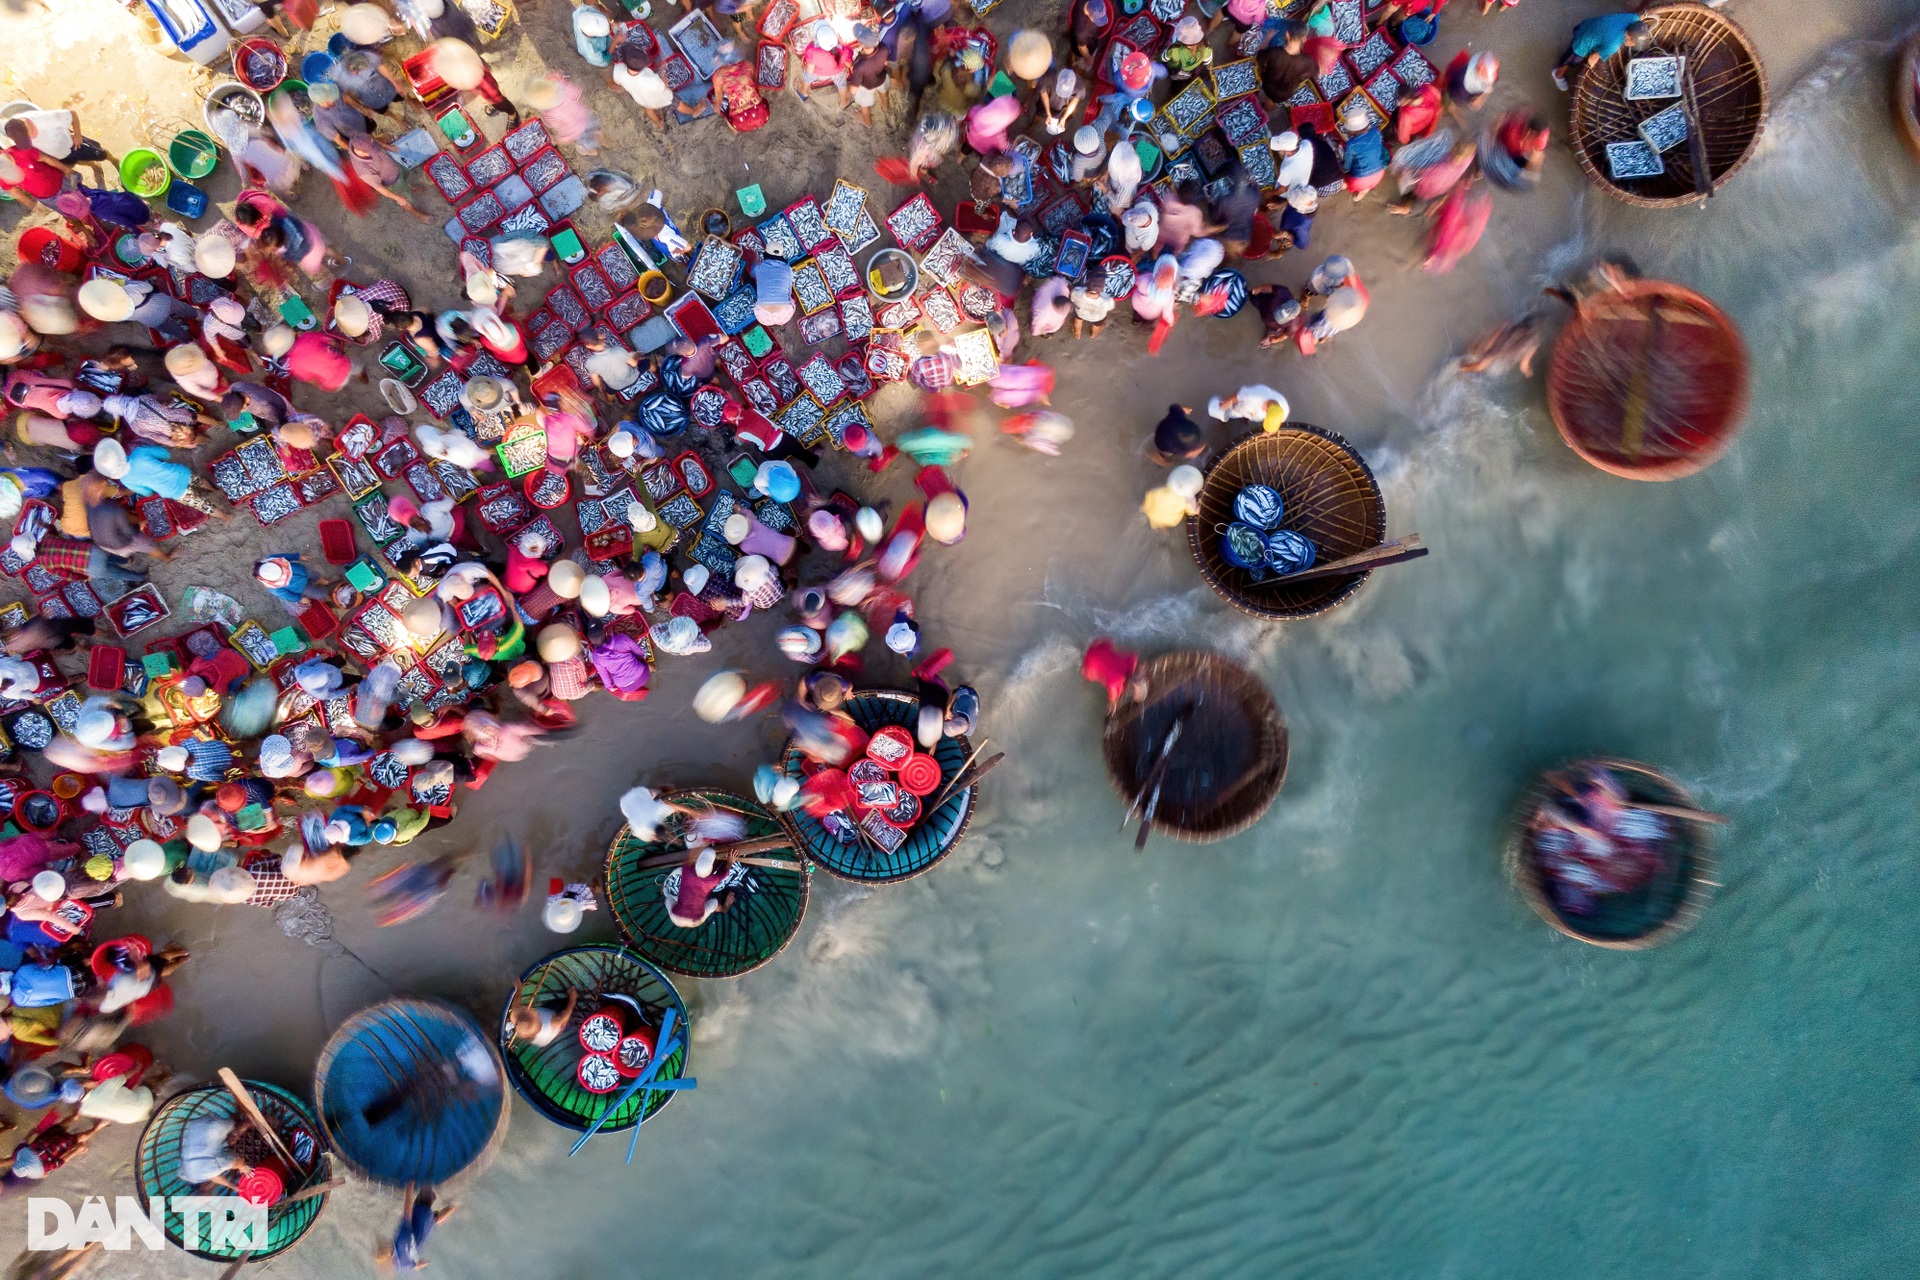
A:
[(1056, 552)]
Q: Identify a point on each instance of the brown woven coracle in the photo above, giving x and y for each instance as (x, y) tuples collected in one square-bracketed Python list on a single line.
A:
[(1649, 916), (1330, 498), (1729, 96), (1229, 761), (1906, 101), (1648, 381)]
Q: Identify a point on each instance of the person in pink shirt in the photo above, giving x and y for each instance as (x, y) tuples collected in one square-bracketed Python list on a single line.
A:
[(824, 62), (565, 112), (987, 124), (525, 565), (565, 432), (320, 360)]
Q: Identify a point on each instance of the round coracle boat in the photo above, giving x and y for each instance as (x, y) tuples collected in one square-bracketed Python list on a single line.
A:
[(1327, 495), (1219, 773), (618, 990), (411, 1091), (1614, 853), (1648, 381), (159, 1160), (1906, 95), (1718, 97), (930, 837), (764, 901)]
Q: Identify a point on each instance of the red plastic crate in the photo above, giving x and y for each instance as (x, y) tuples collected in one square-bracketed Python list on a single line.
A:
[(336, 541), (106, 668)]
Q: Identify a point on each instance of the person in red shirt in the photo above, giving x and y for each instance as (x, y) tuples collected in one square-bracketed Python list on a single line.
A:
[(321, 360), (27, 174)]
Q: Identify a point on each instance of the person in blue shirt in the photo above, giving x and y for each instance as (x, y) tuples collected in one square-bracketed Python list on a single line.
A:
[(1600, 38), (1366, 159)]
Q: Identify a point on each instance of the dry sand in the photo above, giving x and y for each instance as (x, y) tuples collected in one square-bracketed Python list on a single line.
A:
[(1044, 531)]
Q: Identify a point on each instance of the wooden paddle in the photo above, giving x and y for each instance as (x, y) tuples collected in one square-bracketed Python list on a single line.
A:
[(253, 1113), (1696, 141), (1681, 811), (1401, 549), (961, 781), (736, 852), (320, 1189), (1151, 782)]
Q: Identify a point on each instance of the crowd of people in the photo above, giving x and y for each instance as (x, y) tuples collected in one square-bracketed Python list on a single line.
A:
[(163, 377)]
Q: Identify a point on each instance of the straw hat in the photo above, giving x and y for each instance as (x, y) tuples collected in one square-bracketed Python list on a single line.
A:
[(231, 885), (277, 340), (593, 24), (562, 915), (1189, 31), (620, 444), (558, 642), (110, 458), (752, 573), (565, 578), (946, 518), (323, 93), (49, 886), (1086, 140), (1029, 54), (483, 394), (455, 62), (1185, 481), (867, 522), (1303, 199), (95, 727), (186, 361), (719, 695), (532, 543), (144, 860), (423, 617), (1357, 120), (352, 316), (543, 94), (213, 256), (481, 289), (106, 300), (202, 834), (494, 329), (596, 597), (1285, 143), (15, 335), (695, 578), (798, 643), (737, 527), (641, 518), (366, 24)]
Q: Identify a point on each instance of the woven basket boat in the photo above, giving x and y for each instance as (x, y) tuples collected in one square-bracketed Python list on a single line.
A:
[(931, 839), (546, 1077), (1648, 382), (157, 1165), (1230, 760), (1729, 104), (386, 1103), (1906, 95), (1330, 496), (765, 914), (1646, 917)]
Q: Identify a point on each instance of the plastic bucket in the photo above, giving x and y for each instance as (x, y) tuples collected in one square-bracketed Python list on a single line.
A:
[(192, 154), (236, 98), (143, 171), (38, 811), (259, 63), (186, 200), (316, 66), (655, 288)]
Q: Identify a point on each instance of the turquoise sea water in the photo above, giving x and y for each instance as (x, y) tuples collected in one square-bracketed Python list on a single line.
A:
[(1340, 1045)]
